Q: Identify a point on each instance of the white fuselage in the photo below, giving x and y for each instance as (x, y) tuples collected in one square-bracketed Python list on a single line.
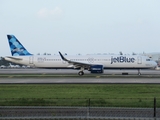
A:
[(108, 61)]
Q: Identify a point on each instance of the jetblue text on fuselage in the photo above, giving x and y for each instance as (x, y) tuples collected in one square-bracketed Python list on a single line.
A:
[(122, 59)]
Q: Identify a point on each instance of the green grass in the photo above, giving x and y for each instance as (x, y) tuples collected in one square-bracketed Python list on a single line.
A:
[(111, 95)]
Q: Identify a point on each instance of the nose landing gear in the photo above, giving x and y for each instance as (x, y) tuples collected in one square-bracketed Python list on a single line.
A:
[(139, 73)]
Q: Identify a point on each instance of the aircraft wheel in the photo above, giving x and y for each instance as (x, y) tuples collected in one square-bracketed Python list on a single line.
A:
[(81, 73), (139, 73)]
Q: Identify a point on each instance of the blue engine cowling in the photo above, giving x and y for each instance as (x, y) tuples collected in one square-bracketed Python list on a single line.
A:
[(96, 69)]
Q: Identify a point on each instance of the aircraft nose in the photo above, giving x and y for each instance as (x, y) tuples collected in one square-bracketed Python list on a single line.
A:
[(154, 64)]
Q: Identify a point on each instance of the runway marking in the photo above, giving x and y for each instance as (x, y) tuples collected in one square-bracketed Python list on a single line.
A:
[(98, 76)]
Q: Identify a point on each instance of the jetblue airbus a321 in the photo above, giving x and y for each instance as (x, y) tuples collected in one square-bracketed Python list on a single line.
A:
[(93, 63)]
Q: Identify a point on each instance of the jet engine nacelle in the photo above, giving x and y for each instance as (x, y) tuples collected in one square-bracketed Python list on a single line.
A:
[(96, 69)]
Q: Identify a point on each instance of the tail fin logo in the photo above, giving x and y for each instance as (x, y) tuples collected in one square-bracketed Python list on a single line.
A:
[(20, 51), (17, 49)]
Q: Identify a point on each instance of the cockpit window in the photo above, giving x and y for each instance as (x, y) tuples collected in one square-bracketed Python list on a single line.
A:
[(148, 60)]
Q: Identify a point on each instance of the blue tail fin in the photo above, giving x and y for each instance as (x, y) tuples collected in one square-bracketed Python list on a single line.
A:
[(17, 49)]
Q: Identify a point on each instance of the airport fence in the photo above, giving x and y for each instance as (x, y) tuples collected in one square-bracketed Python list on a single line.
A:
[(63, 108), (100, 102)]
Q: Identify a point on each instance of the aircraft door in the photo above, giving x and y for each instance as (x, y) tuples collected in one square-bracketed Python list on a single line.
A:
[(139, 60), (31, 60)]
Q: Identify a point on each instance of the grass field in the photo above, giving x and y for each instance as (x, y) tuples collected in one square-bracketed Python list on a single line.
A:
[(111, 95)]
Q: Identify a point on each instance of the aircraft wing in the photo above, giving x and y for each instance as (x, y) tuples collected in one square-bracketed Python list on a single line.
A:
[(77, 64), (13, 58)]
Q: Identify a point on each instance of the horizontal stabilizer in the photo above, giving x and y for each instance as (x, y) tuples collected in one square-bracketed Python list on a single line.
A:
[(13, 58)]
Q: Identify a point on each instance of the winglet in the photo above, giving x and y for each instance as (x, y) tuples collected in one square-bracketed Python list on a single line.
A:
[(63, 58)]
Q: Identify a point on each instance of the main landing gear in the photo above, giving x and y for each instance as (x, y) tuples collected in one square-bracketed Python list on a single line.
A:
[(139, 73), (80, 73)]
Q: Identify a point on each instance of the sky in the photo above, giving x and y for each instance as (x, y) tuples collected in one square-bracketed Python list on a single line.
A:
[(81, 26)]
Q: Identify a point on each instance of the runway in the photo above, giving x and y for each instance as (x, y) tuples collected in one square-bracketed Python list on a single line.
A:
[(78, 80), (75, 72), (109, 77)]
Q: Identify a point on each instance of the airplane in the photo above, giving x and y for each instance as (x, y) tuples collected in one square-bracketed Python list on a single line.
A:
[(24, 66), (13, 66), (2, 66), (92, 63)]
